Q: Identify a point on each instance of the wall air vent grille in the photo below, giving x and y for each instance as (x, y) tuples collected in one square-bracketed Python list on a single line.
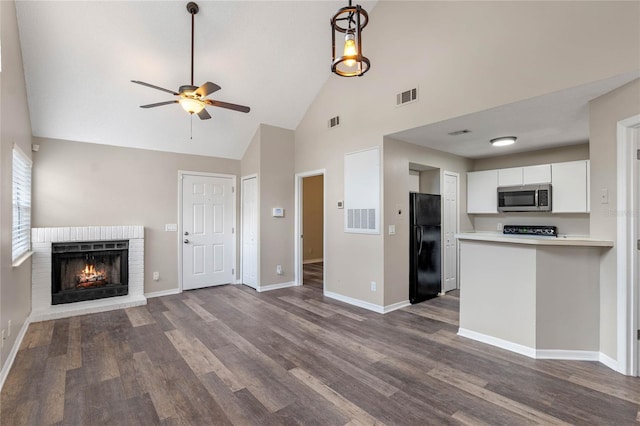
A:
[(407, 97), (334, 121), (361, 218)]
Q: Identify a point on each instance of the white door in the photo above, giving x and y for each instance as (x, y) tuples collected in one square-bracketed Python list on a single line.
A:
[(450, 228), (250, 232), (208, 231)]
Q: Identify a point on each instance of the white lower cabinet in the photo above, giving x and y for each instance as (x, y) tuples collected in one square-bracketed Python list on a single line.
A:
[(570, 187)]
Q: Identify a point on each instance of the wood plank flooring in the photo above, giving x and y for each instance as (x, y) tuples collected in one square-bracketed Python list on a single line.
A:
[(312, 275), (230, 355)]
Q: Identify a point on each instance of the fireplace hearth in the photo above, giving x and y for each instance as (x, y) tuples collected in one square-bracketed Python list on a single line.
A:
[(88, 270)]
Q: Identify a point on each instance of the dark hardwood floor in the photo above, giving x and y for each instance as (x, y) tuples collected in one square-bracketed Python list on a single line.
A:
[(312, 275), (230, 355)]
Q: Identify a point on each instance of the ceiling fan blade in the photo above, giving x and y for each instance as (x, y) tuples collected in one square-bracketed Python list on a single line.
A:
[(158, 104), (204, 115), (227, 105), (155, 87), (207, 89)]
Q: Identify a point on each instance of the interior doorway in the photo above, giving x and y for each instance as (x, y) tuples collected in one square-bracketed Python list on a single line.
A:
[(310, 250), (249, 231)]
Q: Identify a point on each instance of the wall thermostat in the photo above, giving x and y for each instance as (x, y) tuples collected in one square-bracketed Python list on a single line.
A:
[(278, 212), (341, 204)]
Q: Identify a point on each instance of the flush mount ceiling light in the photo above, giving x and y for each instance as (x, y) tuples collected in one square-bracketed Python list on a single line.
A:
[(503, 141), (347, 59)]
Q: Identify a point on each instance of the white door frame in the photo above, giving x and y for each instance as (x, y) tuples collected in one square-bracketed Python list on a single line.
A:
[(457, 176), (626, 250), (241, 234), (298, 224), (181, 174)]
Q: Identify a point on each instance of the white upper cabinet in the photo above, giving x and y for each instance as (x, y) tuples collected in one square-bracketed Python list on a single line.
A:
[(536, 174), (510, 177), (482, 192), (524, 175), (570, 187)]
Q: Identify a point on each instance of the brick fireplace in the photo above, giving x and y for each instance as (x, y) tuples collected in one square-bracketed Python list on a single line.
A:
[(94, 290)]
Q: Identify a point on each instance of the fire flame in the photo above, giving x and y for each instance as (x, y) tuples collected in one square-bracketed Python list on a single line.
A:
[(89, 270)]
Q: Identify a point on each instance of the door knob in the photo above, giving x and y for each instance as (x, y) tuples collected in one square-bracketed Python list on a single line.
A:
[(186, 233), (186, 241)]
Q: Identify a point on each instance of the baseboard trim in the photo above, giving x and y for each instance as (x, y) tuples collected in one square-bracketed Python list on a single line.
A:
[(270, 287), (395, 306), (355, 302), (610, 362), (162, 293), (567, 355), (14, 352), (304, 262), (500, 343)]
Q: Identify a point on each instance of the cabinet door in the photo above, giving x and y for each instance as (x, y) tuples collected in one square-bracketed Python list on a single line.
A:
[(510, 177), (570, 187), (536, 174), (482, 195)]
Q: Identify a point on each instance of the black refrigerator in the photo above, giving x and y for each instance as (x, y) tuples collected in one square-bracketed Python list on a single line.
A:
[(425, 247)]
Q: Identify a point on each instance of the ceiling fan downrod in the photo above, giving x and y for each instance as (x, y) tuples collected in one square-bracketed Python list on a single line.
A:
[(192, 8)]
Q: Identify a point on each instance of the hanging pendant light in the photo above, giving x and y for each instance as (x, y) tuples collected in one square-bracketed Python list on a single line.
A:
[(346, 57)]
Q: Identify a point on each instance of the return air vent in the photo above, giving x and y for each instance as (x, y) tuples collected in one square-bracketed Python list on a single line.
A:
[(459, 132), (334, 121), (361, 218), (407, 97)]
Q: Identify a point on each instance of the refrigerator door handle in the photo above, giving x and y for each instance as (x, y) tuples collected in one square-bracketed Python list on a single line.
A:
[(420, 241)]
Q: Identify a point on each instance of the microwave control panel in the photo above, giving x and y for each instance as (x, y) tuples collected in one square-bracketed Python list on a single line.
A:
[(550, 231)]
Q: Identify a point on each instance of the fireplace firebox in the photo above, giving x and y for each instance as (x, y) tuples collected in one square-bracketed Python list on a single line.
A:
[(89, 270)]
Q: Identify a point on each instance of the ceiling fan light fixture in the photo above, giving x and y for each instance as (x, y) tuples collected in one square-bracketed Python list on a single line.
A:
[(504, 141), (192, 106)]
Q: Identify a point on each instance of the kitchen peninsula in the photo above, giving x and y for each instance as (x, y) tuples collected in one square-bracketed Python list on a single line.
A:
[(537, 296)]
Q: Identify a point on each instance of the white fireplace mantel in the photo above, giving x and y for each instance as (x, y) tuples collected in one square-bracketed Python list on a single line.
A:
[(41, 239)]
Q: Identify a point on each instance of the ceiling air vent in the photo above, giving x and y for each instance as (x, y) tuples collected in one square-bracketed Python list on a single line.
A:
[(407, 97), (334, 121)]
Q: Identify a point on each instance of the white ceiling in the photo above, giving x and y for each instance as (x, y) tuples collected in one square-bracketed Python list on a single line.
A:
[(79, 58), (552, 120)]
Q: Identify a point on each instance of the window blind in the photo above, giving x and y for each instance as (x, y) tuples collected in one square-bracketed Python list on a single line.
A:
[(21, 231)]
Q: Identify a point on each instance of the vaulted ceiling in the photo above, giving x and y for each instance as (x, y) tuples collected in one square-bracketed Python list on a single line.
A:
[(79, 58)]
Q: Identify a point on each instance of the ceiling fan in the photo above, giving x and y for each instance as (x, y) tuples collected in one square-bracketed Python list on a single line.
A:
[(193, 98)]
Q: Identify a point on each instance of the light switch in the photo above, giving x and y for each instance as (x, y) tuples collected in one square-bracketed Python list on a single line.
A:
[(171, 227), (392, 230)]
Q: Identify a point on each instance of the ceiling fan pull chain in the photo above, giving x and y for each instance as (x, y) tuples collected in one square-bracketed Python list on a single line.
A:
[(191, 130)]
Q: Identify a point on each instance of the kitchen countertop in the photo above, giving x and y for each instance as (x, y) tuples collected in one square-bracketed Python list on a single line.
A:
[(562, 240)]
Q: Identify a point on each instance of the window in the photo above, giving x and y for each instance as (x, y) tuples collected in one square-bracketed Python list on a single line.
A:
[(21, 231)]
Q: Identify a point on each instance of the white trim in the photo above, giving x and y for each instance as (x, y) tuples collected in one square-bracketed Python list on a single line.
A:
[(306, 262), (626, 256), (297, 247), (457, 176), (395, 306), (234, 179), (270, 287), (14, 351), (239, 279), (89, 307), (161, 293), (500, 343), (609, 362), (355, 302), (23, 258), (568, 355)]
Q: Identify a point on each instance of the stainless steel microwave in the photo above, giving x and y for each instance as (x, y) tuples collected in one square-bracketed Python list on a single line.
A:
[(524, 198)]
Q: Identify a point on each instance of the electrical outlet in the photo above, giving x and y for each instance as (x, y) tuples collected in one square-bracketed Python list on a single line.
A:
[(499, 227), (156, 276), (279, 269), (2, 341), (9, 328), (373, 286), (604, 196)]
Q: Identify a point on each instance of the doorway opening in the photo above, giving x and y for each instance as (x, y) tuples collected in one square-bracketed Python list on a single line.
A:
[(310, 229)]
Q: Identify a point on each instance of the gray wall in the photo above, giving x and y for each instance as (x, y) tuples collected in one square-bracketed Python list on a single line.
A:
[(605, 112), (15, 128), (82, 184)]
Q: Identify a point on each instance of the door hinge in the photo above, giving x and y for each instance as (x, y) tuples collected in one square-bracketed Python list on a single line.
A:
[(233, 271), (638, 244), (638, 334), (638, 154), (233, 230), (233, 189)]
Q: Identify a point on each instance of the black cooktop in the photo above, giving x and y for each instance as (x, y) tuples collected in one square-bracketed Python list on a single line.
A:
[(550, 231)]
